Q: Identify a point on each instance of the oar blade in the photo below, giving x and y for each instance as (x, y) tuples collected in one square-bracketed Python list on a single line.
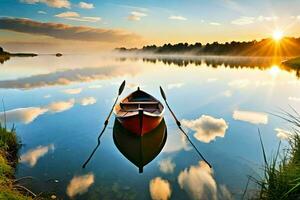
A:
[(162, 93), (122, 86)]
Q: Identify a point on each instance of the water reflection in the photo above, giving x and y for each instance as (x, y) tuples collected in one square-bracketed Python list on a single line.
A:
[(262, 63), (80, 184), (22, 115), (250, 116), (33, 155), (67, 77), (29, 114), (207, 128), (160, 189), (140, 150), (199, 183), (167, 166), (4, 58)]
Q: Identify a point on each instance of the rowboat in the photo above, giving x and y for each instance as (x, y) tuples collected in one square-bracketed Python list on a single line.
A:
[(139, 112), (140, 150)]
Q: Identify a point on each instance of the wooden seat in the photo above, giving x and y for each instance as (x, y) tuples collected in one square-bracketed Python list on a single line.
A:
[(138, 102)]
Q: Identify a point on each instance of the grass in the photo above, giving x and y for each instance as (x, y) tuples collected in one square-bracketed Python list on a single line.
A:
[(9, 146), (295, 62), (282, 173)]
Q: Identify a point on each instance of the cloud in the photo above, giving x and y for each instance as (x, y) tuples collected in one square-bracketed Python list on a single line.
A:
[(67, 32), (174, 85), (160, 189), (282, 134), (198, 182), (86, 19), (33, 155), (207, 128), (294, 98), (42, 12), (243, 21), (76, 17), (51, 3), (166, 166), (251, 117), (268, 18), (67, 14), (238, 84), (80, 184), (214, 23), (22, 115), (85, 5), (88, 101), (61, 106), (73, 91), (177, 17), (68, 76), (136, 16)]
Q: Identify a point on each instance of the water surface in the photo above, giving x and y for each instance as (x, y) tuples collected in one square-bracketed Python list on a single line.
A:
[(59, 105)]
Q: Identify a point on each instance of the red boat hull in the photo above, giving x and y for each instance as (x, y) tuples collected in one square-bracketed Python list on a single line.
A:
[(140, 124)]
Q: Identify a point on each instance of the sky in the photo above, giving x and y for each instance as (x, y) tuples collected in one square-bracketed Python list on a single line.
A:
[(88, 25)]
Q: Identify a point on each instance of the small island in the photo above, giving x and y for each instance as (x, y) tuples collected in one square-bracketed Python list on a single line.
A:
[(4, 55)]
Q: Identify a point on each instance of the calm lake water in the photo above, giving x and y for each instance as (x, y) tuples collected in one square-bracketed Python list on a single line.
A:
[(59, 105)]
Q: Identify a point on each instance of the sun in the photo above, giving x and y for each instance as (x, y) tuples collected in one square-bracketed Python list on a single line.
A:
[(277, 35)]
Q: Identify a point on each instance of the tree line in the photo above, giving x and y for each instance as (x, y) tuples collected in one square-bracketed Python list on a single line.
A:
[(287, 46)]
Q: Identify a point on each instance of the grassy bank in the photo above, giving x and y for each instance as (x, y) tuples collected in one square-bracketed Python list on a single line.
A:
[(9, 146), (282, 173), (295, 63)]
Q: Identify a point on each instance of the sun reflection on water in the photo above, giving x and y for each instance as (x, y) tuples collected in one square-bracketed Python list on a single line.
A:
[(274, 71)]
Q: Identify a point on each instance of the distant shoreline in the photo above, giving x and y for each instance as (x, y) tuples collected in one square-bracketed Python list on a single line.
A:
[(4, 55), (286, 47)]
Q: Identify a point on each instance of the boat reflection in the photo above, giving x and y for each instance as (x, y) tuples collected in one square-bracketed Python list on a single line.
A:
[(140, 150)]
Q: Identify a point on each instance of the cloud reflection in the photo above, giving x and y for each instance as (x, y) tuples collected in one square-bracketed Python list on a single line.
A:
[(29, 114), (198, 182), (80, 184), (61, 106), (67, 77), (22, 115), (33, 155), (177, 143), (207, 128), (250, 116), (167, 166), (73, 91), (282, 134), (160, 189), (88, 101)]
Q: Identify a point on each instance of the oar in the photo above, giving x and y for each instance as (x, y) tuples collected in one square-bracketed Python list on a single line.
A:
[(179, 125), (121, 88)]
